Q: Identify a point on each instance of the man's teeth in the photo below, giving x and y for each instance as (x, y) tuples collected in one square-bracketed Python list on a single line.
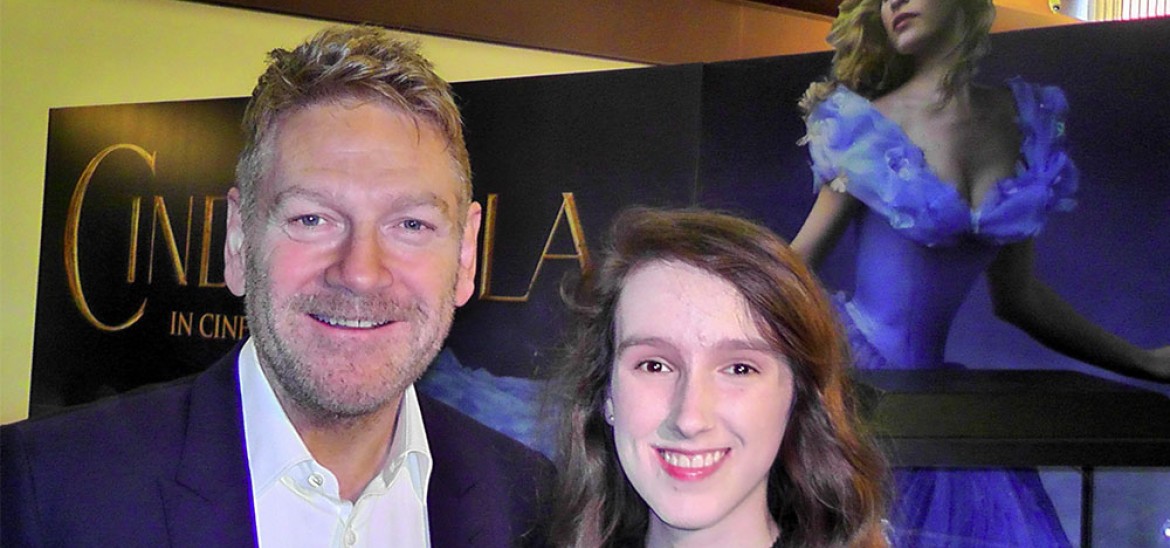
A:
[(693, 461), (351, 324)]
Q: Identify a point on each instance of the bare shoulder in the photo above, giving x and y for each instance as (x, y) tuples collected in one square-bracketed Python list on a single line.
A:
[(897, 105)]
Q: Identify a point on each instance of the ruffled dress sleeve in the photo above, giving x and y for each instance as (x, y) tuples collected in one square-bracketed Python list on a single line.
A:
[(1046, 178), (850, 142), (858, 150)]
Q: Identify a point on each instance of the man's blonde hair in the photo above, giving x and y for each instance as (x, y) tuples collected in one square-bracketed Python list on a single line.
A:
[(347, 63)]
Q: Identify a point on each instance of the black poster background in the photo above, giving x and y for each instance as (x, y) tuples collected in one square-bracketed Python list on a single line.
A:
[(194, 144), (611, 139)]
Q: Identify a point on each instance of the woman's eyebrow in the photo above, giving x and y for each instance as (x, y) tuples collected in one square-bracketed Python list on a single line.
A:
[(627, 342), (753, 344)]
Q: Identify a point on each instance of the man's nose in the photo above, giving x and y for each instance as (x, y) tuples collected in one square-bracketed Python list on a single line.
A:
[(362, 264)]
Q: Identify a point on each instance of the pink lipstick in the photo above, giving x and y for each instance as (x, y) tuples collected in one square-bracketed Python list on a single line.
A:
[(691, 465), (900, 20)]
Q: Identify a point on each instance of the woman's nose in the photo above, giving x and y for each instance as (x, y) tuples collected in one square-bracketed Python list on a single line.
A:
[(694, 406)]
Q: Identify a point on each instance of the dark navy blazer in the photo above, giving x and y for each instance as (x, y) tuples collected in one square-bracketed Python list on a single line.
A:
[(166, 466)]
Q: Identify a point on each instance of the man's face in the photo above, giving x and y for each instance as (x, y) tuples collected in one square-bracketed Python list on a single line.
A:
[(358, 254)]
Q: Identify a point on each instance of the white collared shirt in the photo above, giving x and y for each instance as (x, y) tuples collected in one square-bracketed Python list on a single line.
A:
[(297, 500)]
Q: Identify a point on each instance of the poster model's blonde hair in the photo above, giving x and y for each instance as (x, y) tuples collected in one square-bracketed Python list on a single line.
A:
[(865, 61)]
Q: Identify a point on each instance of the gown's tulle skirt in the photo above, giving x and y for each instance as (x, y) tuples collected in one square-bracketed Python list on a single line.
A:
[(972, 507), (951, 507)]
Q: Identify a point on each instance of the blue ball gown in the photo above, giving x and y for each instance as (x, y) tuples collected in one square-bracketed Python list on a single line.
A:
[(920, 249)]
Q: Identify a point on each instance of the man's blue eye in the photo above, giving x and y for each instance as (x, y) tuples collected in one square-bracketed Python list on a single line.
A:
[(414, 225), (309, 220)]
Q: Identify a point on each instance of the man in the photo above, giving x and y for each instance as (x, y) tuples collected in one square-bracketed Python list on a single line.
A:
[(352, 236)]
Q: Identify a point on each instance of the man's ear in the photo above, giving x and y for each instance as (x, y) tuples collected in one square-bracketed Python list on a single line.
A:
[(468, 248), (234, 260)]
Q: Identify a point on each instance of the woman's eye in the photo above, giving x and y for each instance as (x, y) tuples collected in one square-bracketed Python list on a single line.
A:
[(741, 369), (651, 366)]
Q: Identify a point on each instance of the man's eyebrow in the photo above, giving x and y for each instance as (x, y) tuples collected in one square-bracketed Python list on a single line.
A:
[(400, 201), (295, 193), (421, 199)]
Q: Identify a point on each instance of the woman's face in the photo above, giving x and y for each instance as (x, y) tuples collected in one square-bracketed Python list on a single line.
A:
[(699, 399), (920, 27)]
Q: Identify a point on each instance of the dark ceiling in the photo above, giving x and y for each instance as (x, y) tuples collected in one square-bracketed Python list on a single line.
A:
[(823, 7)]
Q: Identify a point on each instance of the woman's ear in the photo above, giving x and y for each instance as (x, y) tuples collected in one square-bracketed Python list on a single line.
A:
[(608, 410)]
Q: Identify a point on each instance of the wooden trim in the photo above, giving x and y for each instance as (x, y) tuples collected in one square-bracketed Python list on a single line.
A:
[(645, 31)]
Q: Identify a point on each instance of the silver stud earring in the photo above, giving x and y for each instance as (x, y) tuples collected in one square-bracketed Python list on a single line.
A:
[(609, 411)]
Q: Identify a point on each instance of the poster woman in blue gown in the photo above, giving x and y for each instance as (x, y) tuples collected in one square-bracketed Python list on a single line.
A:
[(945, 180)]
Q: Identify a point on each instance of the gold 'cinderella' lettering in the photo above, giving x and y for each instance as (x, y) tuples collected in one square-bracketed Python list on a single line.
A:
[(161, 221), (205, 256), (568, 211), (160, 218), (132, 262), (72, 226)]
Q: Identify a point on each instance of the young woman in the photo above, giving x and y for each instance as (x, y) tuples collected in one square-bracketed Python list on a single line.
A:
[(704, 399), (945, 180)]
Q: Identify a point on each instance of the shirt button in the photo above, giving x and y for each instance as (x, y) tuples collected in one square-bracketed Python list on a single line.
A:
[(316, 480), (350, 537)]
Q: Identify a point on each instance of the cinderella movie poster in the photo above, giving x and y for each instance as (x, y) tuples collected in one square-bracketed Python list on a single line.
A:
[(131, 286)]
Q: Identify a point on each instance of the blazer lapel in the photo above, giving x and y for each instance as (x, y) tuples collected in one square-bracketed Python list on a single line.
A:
[(209, 501), (454, 515)]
